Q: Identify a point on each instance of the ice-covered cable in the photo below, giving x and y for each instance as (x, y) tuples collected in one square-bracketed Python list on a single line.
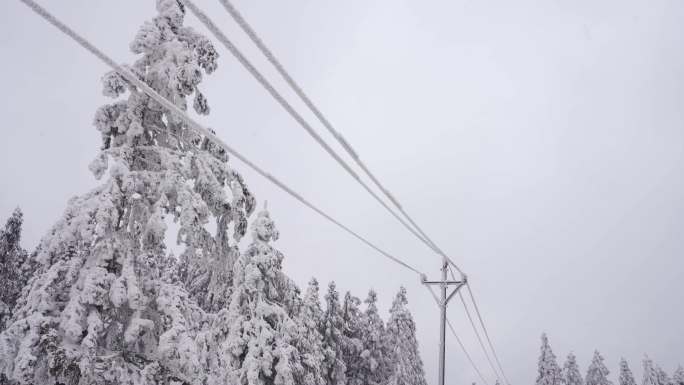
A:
[(460, 343), (479, 316), (485, 331), (213, 28), (477, 334), (453, 331), (198, 127), (247, 28)]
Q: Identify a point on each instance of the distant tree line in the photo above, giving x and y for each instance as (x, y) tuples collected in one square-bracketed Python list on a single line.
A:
[(550, 373)]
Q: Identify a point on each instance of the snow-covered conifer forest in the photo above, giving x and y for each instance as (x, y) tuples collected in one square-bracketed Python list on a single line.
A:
[(102, 300)]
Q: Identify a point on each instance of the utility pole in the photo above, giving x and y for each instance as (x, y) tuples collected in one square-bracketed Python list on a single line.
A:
[(444, 284)]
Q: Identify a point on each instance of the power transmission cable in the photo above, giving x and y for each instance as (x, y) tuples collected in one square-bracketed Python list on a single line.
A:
[(453, 331), (270, 56), (479, 316), (460, 343), (213, 28), (251, 33), (477, 334), (489, 341), (195, 125), (192, 123)]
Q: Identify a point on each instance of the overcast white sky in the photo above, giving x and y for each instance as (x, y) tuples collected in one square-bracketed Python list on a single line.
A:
[(541, 143)]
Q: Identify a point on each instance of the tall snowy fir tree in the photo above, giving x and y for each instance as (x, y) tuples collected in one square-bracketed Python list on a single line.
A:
[(310, 340), (100, 309), (650, 373), (14, 270), (256, 334), (626, 376), (375, 366), (678, 376), (663, 378), (332, 329), (548, 372), (571, 372), (352, 346), (597, 373), (407, 366), (13, 274)]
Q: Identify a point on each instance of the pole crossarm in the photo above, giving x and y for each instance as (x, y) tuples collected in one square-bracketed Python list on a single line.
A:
[(441, 282), (454, 292), (458, 285)]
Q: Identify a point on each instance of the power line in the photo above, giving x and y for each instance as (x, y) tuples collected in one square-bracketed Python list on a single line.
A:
[(192, 123), (246, 27), (453, 331), (254, 37), (251, 33), (485, 331), (213, 28), (270, 56), (477, 310), (460, 343), (195, 125), (477, 334)]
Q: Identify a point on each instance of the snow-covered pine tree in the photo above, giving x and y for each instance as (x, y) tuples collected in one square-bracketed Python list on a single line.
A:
[(99, 310), (650, 373), (549, 373), (571, 372), (12, 259), (663, 378), (309, 341), (375, 366), (626, 376), (678, 376), (255, 336), (332, 329), (597, 373), (14, 270), (407, 366), (289, 294), (352, 347)]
